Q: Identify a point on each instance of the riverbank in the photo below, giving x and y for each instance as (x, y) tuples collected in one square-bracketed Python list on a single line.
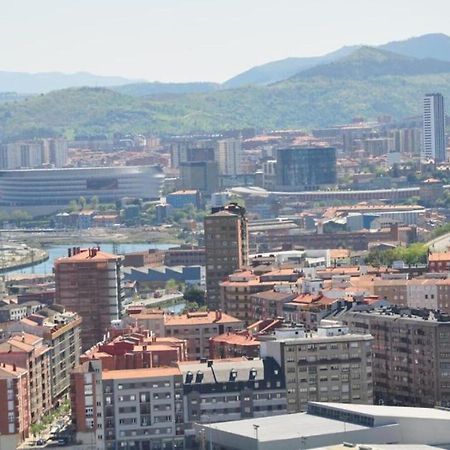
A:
[(23, 258), (138, 235)]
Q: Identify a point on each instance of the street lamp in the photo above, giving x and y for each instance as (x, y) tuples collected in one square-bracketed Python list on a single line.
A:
[(256, 428), (302, 442)]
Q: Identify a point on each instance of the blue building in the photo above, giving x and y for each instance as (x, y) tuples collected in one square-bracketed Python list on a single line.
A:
[(181, 199)]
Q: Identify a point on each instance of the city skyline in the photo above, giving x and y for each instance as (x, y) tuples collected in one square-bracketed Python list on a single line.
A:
[(165, 41)]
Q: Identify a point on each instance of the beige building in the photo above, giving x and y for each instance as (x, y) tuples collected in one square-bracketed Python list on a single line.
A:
[(29, 352), (226, 248), (330, 365), (61, 332), (196, 328), (228, 154)]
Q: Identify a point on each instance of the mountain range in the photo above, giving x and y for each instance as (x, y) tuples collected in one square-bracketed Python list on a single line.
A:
[(358, 81)]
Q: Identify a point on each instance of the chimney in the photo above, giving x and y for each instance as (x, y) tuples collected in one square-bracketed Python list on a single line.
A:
[(69, 252), (218, 315), (14, 368)]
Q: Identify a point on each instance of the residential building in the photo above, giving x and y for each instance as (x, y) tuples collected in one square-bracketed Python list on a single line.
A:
[(29, 352), (226, 247), (61, 332), (196, 328), (434, 129), (410, 355), (328, 424), (228, 154), (439, 262), (138, 409), (135, 348), (236, 291), (15, 419), (89, 282), (231, 389), (330, 365), (270, 303), (243, 342), (305, 168)]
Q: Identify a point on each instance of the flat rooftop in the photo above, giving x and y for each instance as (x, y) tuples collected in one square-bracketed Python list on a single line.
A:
[(286, 426)]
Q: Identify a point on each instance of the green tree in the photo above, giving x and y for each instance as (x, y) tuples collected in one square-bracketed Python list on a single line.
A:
[(82, 202), (73, 206), (194, 294), (19, 216), (94, 203)]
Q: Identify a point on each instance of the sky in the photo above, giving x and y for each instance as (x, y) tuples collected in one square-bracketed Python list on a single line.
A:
[(197, 40)]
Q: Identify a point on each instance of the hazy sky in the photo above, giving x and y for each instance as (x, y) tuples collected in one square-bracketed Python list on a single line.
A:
[(187, 40)]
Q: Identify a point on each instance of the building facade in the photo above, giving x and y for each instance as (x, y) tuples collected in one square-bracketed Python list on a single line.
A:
[(89, 282), (331, 365), (138, 409), (411, 362), (434, 128), (305, 168), (226, 248), (30, 353), (51, 189), (228, 154), (15, 419)]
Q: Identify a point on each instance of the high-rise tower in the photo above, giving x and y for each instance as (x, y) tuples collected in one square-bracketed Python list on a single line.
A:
[(226, 246), (433, 128)]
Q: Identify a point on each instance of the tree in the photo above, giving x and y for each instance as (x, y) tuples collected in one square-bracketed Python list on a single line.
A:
[(82, 202), (18, 215), (73, 206), (194, 294), (171, 285), (94, 203)]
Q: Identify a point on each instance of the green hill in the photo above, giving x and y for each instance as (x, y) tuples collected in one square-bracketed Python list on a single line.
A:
[(160, 89), (369, 83)]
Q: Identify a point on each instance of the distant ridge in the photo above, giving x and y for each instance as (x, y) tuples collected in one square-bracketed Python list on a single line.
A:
[(37, 83), (434, 46), (369, 62)]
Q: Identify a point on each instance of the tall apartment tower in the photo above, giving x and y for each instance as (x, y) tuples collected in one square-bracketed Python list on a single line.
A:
[(88, 282), (229, 156), (433, 128), (226, 247)]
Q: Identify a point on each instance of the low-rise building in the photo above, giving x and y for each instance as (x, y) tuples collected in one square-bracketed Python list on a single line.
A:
[(329, 424), (439, 262), (137, 349), (196, 328)]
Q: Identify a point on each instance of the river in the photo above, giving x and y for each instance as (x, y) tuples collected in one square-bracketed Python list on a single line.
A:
[(58, 251)]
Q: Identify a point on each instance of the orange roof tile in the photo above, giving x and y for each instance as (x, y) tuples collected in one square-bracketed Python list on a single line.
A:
[(199, 319), (84, 256), (155, 372)]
